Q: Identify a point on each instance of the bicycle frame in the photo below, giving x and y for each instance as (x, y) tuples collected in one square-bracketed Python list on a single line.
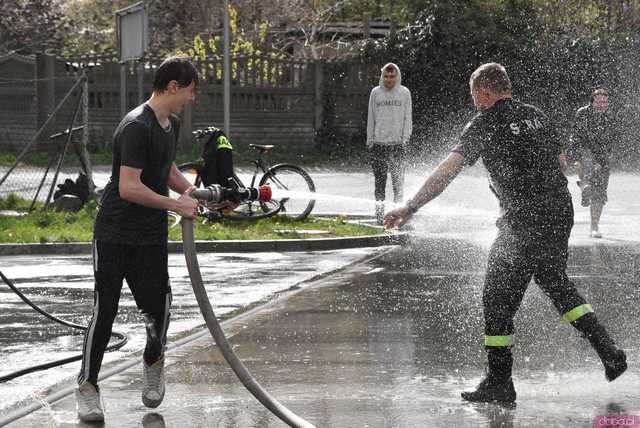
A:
[(259, 165)]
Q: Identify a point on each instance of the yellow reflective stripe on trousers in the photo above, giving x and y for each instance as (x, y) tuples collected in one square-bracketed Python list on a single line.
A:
[(577, 312), (223, 143), (497, 340)]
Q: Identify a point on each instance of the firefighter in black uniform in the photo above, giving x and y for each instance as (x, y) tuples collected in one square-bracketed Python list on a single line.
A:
[(522, 154), (593, 140)]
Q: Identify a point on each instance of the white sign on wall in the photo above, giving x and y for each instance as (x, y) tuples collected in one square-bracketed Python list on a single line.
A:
[(133, 36)]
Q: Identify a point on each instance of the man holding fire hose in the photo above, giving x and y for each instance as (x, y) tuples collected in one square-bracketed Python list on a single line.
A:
[(130, 231), (522, 154)]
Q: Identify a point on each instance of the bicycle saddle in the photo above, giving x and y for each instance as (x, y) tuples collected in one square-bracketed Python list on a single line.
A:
[(262, 148)]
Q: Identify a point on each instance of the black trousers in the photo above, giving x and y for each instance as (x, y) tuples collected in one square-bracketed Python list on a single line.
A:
[(516, 256), (384, 160), (597, 177), (146, 271)]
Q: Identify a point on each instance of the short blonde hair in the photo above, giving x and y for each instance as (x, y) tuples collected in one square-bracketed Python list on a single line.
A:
[(491, 76)]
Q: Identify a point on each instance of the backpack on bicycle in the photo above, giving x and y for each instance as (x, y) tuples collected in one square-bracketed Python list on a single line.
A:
[(217, 157)]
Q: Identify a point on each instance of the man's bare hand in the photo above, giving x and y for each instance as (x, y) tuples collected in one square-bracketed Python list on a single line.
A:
[(186, 206), (563, 162), (397, 218)]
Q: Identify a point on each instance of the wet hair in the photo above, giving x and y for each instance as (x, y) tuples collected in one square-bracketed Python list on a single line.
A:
[(178, 68), (491, 76), (599, 91)]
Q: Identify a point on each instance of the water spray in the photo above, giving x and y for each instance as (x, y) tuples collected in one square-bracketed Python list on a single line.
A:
[(279, 193), (217, 194)]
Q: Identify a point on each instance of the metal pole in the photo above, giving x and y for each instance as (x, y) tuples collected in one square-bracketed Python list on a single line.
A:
[(226, 70), (40, 130), (85, 160), (64, 150), (44, 178), (123, 89), (140, 82)]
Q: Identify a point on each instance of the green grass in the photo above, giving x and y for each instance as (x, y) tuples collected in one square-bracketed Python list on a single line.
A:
[(49, 226), (275, 228), (14, 203), (7, 159)]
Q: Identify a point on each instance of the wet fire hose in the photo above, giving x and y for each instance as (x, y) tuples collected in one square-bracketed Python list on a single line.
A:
[(216, 194), (122, 338)]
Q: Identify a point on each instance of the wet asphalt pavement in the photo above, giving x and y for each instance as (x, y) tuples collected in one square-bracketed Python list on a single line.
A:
[(391, 342), (63, 286)]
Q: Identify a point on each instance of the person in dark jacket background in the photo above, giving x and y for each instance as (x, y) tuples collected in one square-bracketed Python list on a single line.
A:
[(593, 140)]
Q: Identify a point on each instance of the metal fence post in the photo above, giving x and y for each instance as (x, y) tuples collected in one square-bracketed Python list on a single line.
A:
[(85, 160), (318, 105), (45, 88)]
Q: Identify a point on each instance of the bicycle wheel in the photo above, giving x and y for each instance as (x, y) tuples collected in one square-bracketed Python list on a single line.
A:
[(294, 187), (252, 210)]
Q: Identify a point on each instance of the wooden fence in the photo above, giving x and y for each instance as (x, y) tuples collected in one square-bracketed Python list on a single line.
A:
[(272, 99)]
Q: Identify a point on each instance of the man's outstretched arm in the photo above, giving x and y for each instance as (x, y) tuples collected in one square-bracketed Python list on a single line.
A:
[(435, 184)]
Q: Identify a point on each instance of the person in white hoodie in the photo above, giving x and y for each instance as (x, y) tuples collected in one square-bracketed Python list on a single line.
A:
[(389, 127)]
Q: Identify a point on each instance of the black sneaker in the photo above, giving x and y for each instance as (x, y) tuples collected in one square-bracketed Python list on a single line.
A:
[(492, 390)]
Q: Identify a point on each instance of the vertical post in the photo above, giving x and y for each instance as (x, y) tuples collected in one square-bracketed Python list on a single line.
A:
[(45, 88), (318, 106), (393, 26), (186, 126), (140, 82), (226, 70), (65, 148), (366, 26), (123, 89), (85, 160)]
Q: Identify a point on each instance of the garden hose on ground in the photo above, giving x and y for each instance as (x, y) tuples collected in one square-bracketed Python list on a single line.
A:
[(237, 366), (122, 338)]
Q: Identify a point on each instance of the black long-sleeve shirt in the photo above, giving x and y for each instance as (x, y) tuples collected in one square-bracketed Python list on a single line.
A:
[(595, 132), (519, 147)]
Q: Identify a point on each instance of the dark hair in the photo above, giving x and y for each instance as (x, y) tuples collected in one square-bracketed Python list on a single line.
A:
[(491, 76), (389, 68), (599, 91), (178, 68)]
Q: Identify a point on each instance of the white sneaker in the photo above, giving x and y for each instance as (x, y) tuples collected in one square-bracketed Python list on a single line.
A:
[(596, 234), (89, 403), (153, 390)]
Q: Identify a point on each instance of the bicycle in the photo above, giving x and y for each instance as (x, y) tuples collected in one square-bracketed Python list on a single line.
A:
[(290, 181)]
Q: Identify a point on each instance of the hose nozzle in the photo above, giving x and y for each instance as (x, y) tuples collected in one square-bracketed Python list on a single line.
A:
[(216, 194)]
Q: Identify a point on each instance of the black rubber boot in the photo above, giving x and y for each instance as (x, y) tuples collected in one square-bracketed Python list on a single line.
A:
[(612, 357), (497, 386)]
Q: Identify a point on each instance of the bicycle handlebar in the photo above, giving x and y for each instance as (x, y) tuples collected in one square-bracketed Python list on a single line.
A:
[(211, 130)]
